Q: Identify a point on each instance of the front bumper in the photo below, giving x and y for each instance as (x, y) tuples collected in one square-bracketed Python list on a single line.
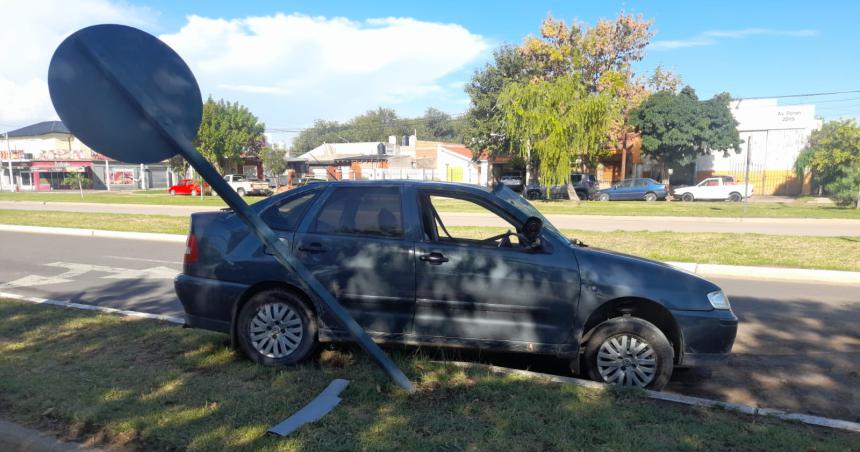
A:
[(708, 336)]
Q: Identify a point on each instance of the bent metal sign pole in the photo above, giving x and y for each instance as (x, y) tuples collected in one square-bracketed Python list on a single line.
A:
[(129, 96)]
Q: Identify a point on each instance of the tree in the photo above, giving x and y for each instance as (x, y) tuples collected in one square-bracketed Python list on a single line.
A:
[(677, 128), (273, 161), (79, 179), (602, 55), (484, 127), (227, 131), (833, 157), (437, 125), (560, 122)]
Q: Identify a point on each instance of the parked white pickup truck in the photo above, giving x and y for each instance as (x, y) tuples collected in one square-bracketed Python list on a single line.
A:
[(246, 186), (714, 188)]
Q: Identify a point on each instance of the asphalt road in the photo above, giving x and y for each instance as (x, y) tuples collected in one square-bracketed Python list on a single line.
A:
[(776, 226), (798, 345)]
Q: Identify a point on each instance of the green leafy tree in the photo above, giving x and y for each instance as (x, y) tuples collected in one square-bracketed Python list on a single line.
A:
[(273, 161), (559, 123), (833, 157), (484, 126), (676, 128), (437, 125), (77, 179), (227, 131)]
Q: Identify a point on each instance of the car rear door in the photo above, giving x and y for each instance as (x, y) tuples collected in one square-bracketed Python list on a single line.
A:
[(354, 244), (470, 290)]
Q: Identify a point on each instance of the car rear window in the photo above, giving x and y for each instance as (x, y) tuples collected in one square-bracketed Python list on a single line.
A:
[(576, 178), (362, 211)]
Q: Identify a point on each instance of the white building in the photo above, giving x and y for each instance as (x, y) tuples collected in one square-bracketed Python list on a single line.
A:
[(772, 136)]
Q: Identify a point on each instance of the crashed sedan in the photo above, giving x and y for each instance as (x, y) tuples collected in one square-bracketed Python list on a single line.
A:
[(389, 254)]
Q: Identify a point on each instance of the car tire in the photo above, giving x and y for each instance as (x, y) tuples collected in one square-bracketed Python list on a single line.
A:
[(612, 350), (603, 197), (276, 327), (240, 191), (650, 196), (583, 196), (687, 197), (735, 197), (172, 192), (533, 195)]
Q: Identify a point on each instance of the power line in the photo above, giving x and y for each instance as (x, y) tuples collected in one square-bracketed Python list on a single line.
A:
[(784, 96)]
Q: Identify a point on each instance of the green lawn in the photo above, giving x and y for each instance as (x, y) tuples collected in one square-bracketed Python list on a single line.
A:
[(833, 253), (801, 208), (148, 385)]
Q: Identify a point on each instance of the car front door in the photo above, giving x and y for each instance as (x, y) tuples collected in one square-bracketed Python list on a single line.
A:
[(621, 191), (468, 287), (354, 244)]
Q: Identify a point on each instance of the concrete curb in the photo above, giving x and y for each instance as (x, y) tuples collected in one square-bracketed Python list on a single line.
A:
[(14, 437), (89, 307), (716, 270), (676, 398)]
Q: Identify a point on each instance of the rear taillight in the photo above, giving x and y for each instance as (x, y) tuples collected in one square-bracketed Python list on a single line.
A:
[(190, 250)]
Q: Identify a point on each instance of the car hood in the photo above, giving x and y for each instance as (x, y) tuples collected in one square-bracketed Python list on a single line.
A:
[(616, 275)]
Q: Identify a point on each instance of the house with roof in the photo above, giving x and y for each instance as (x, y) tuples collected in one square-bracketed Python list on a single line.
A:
[(39, 156), (410, 159)]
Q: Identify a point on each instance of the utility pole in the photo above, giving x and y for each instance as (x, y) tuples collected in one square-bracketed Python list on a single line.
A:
[(107, 174), (9, 151), (747, 175)]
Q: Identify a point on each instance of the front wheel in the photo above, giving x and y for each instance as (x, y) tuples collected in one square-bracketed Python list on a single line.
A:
[(276, 328), (241, 191), (172, 192), (629, 351), (687, 197), (603, 197)]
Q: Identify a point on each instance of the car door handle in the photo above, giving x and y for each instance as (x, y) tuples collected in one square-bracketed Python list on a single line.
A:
[(433, 258), (312, 248)]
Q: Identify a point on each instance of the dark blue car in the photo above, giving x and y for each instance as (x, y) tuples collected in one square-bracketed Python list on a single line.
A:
[(642, 189), (384, 251)]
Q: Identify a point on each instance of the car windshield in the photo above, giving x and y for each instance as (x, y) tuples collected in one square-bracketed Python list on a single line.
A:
[(521, 204)]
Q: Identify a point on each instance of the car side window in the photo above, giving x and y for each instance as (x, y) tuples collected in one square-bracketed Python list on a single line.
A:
[(373, 211), (641, 183), (287, 215), (440, 225)]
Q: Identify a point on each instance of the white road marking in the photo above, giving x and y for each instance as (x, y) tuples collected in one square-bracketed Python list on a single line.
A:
[(89, 307), (138, 259), (75, 269)]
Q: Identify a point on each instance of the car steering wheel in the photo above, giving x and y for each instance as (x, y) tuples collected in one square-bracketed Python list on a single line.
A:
[(504, 239)]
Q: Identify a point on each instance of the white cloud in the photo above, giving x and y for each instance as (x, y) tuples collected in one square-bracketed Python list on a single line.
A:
[(713, 37), (30, 32), (293, 68), (289, 69)]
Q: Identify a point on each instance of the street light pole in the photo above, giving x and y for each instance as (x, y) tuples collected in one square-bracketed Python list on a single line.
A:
[(9, 152)]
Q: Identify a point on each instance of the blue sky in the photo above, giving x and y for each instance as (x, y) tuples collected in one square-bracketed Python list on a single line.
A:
[(750, 48)]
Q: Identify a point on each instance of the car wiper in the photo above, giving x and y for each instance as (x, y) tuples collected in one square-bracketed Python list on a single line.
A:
[(578, 242)]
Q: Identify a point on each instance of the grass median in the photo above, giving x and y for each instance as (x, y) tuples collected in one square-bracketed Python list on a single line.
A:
[(832, 253), (153, 386), (800, 208)]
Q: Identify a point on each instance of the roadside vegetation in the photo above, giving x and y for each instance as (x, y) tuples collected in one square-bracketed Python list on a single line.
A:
[(143, 384), (800, 208), (832, 253)]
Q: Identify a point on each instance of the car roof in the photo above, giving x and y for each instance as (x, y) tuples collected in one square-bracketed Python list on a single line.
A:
[(437, 185)]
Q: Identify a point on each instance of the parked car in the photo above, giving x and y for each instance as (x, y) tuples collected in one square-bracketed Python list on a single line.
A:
[(514, 181), (309, 180), (714, 188), (244, 185), (586, 187), (633, 189), (188, 187), (382, 249)]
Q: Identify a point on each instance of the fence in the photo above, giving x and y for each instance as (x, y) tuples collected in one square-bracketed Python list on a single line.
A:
[(398, 173)]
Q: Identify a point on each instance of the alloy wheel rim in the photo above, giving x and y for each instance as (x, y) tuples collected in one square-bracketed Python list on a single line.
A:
[(276, 330), (627, 360)]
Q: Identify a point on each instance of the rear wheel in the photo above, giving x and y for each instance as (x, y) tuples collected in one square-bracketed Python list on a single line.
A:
[(172, 192), (687, 197), (276, 328), (650, 197), (735, 197), (629, 351)]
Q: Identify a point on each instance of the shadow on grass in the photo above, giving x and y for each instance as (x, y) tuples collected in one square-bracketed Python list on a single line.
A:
[(148, 385)]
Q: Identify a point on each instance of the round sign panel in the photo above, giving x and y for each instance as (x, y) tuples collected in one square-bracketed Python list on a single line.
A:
[(124, 93)]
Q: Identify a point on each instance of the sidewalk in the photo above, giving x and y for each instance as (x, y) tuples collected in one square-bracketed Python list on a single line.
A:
[(715, 270), (773, 226)]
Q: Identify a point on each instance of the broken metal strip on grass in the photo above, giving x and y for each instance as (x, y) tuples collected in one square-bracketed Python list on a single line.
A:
[(838, 424), (313, 411)]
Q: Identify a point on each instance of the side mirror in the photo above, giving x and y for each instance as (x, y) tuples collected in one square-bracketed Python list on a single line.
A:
[(532, 229)]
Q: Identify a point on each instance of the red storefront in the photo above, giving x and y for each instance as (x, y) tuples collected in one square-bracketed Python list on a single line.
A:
[(49, 175)]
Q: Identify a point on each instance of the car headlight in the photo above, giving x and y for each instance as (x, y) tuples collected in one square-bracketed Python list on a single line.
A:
[(719, 300)]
